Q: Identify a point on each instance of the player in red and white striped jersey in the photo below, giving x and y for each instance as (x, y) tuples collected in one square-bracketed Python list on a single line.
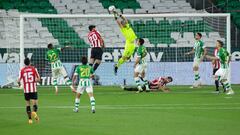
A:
[(29, 76), (216, 66), (158, 84), (97, 43)]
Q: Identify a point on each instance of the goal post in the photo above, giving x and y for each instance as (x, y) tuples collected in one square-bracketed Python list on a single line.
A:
[(165, 41)]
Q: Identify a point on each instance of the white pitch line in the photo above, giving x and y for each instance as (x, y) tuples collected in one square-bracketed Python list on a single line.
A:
[(146, 106), (128, 108), (122, 93)]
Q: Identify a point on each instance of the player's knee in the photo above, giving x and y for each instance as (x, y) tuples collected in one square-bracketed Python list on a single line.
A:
[(78, 95), (125, 58), (223, 80), (195, 68)]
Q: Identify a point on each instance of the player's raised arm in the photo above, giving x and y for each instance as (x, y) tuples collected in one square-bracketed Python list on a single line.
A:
[(116, 18), (124, 18)]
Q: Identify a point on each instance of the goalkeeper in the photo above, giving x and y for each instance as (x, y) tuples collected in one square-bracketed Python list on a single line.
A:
[(129, 36)]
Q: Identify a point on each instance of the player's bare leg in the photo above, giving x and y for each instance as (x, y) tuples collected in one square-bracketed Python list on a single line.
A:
[(35, 108), (97, 63), (77, 102), (28, 110), (91, 62), (92, 102)]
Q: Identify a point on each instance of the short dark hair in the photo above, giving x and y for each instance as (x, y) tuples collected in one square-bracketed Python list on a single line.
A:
[(91, 27), (84, 60), (141, 41), (27, 61), (50, 46), (170, 78), (220, 42), (199, 34)]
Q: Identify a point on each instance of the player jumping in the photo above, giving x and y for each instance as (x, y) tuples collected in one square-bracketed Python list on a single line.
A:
[(130, 38), (97, 43), (29, 76), (84, 72), (57, 67), (199, 50), (140, 65), (223, 72), (158, 84)]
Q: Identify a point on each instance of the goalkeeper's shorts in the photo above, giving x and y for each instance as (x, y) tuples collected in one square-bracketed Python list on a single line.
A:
[(129, 49)]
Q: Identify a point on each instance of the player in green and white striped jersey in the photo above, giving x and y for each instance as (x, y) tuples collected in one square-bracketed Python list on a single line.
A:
[(199, 50), (84, 72), (140, 66), (223, 72), (57, 67)]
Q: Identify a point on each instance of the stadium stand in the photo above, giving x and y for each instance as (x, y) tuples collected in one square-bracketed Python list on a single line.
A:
[(231, 6), (167, 31)]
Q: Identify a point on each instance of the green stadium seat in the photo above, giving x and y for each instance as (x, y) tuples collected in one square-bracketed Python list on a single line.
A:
[(164, 22), (58, 27)]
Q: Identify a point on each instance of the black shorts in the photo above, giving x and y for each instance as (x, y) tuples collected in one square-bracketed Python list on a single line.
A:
[(96, 53), (29, 96), (215, 70)]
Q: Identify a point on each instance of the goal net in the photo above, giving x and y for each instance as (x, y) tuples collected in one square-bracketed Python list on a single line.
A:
[(167, 37)]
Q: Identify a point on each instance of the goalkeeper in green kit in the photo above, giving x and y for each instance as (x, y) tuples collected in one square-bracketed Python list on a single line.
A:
[(57, 67), (130, 37)]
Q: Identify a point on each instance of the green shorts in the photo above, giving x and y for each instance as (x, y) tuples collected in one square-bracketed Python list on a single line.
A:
[(129, 49)]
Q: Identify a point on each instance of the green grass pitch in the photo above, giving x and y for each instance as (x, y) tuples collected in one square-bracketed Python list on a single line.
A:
[(184, 111)]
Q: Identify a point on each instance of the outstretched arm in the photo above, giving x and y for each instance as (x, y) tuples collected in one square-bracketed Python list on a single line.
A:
[(164, 89), (191, 52), (205, 51), (65, 47), (211, 57)]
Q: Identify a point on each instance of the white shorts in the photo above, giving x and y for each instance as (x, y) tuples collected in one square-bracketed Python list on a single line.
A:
[(81, 89), (58, 72), (140, 68), (222, 73), (196, 62)]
